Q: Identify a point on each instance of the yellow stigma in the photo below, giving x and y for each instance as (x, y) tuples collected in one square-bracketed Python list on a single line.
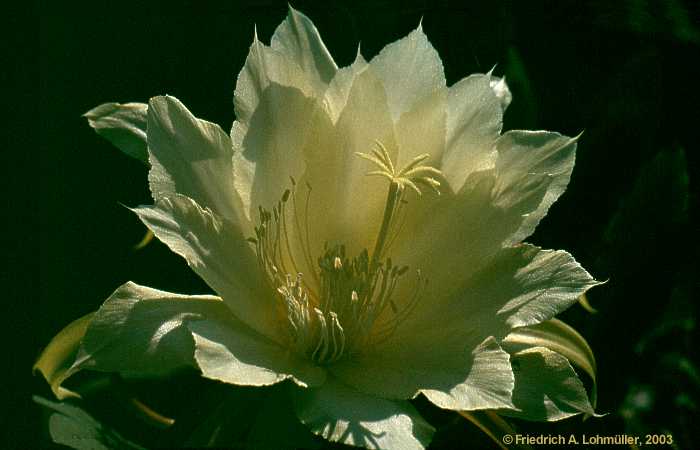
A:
[(346, 304)]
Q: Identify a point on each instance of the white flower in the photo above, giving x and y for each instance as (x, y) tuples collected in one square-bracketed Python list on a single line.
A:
[(362, 228)]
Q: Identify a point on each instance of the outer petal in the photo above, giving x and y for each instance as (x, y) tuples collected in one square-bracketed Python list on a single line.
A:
[(500, 88), (263, 66), (410, 69), (520, 286), (488, 384), (298, 38), (140, 330), (219, 253), (56, 359), (524, 286), (341, 414), (524, 154), (452, 236), (448, 367), (190, 156), (546, 387), (231, 352), (474, 121), (124, 125)]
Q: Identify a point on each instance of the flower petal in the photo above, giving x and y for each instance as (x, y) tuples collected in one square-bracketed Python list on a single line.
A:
[(339, 88), (546, 387), (190, 156), (341, 414), (298, 38), (218, 252), (338, 176), (522, 286), (474, 121), (263, 66), (542, 283), (270, 146), (56, 359), (558, 337), (452, 370), (422, 130), (487, 385), (524, 154), (410, 69), (139, 330), (124, 125), (500, 88), (229, 351), (452, 236)]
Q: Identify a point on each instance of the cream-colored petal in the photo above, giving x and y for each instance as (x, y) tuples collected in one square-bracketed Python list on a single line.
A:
[(124, 125), (191, 157), (339, 88), (546, 387), (219, 253), (263, 66), (474, 121), (558, 337), (451, 236), (270, 146), (410, 69), (524, 154), (422, 129), (450, 367), (488, 383), (538, 284), (270, 90), (298, 39), (518, 287), (347, 203), (140, 331), (229, 351), (500, 88), (342, 414)]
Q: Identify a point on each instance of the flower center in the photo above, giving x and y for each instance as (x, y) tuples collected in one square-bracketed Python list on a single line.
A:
[(347, 303)]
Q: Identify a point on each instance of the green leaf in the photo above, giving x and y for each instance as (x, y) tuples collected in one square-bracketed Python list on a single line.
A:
[(70, 425), (124, 125), (56, 360)]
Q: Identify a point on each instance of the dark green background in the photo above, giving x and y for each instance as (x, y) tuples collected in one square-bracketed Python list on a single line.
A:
[(625, 72)]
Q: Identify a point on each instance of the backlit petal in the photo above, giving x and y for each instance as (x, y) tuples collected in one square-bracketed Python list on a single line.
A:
[(218, 252), (341, 414)]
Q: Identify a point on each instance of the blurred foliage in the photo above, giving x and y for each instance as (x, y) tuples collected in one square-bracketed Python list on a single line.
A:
[(623, 72)]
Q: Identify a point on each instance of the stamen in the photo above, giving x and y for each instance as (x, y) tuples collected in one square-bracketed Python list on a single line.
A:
[(354, 304)]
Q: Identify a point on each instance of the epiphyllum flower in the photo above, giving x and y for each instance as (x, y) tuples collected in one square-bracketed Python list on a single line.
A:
[(362, 228)]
